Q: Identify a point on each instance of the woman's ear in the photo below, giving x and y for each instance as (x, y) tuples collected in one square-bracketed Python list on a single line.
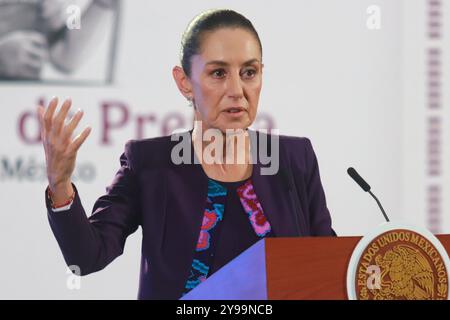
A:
[(183, 82)]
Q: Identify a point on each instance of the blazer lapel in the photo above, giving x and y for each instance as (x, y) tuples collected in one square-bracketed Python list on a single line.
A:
[(275, 196)]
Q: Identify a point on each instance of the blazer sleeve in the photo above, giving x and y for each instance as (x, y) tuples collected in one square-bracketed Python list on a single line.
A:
[(91, 243), (319, 215)]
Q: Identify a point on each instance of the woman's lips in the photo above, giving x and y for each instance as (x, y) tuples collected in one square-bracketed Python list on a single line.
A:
[(234, 111)]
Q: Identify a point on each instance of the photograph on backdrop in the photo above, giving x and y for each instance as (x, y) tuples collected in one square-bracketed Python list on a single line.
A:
[(58, 41)]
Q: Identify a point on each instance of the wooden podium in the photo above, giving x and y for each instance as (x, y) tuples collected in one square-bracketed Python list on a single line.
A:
[(286, 268)]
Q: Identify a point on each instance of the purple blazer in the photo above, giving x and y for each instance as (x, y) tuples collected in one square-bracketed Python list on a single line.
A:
[(168, 200)]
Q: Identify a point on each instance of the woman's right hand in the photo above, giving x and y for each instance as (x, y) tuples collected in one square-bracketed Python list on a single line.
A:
[(60, 148)]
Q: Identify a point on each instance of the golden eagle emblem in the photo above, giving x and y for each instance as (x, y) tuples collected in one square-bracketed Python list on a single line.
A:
[(401, 264), (405, 274)]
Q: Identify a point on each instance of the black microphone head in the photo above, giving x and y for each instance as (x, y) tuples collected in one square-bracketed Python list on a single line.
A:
[(355, 176)]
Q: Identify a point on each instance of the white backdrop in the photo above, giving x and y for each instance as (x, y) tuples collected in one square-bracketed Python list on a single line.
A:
[(357, 93)]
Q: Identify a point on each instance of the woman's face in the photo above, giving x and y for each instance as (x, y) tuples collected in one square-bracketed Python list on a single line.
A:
[(226, 79)]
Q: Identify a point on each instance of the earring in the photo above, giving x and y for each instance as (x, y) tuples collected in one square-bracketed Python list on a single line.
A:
[(191, 102)]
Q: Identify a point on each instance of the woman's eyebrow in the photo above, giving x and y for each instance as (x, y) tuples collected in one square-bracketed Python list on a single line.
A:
[(225, 64)]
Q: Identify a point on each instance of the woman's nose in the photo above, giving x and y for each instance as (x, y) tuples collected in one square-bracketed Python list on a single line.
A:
[(235, 87)]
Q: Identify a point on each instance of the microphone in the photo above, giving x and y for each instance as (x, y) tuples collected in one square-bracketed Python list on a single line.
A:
[(290, 186), (365, 186)]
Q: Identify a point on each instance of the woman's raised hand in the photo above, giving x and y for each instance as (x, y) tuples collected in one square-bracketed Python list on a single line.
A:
[(59, 146)]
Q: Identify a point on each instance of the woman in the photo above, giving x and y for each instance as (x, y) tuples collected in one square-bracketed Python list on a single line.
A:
[(195, 217)]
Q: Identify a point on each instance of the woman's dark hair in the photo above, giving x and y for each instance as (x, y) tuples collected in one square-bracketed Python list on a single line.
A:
[(209, 21)]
